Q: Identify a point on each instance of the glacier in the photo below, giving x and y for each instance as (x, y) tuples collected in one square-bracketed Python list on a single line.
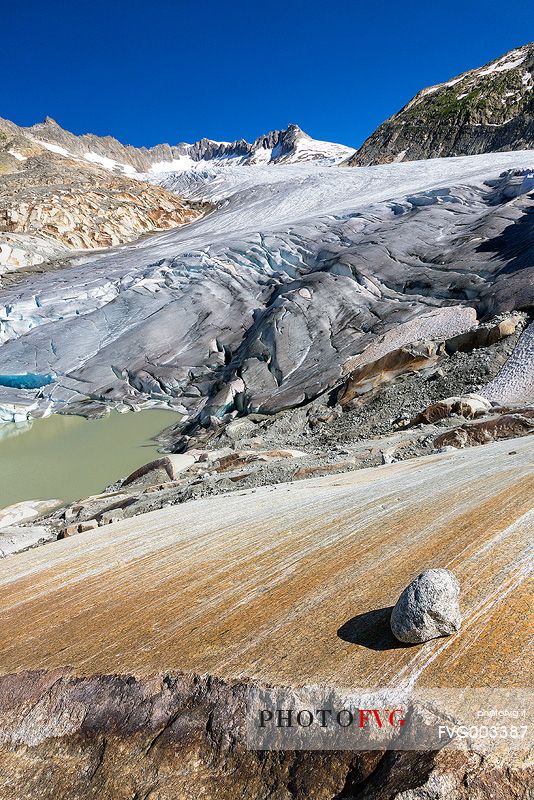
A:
[(259, 304)]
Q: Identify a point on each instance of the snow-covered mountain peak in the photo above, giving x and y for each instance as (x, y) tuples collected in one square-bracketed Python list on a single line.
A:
[(288, 146)]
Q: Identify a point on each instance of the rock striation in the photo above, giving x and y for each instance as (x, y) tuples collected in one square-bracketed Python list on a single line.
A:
[(283, 575), (485, 110)]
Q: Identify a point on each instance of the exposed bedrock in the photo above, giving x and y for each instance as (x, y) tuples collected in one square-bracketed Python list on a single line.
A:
[(114, 736), (220, 323), (118, 737)]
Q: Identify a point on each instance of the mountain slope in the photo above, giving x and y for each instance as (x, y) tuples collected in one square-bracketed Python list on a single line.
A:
[(51, 203), (484, 110)]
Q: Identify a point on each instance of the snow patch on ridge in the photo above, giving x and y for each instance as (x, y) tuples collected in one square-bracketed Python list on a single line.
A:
[(503, 65), (55, 148), (109, 163)]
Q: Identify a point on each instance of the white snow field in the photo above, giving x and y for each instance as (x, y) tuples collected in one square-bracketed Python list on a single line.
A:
[(257, 305)]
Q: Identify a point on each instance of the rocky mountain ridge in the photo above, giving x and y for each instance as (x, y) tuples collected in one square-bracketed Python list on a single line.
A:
[(484, 110), (487, 109), (61, 192), (290, 145)]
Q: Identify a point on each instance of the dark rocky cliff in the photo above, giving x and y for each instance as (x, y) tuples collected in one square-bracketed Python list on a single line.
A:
[(485, 110)]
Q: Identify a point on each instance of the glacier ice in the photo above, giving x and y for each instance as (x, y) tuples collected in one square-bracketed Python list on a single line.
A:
[(298, 269)]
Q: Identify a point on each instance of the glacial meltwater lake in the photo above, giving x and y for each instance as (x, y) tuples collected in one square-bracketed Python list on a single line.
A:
[(69, 457)]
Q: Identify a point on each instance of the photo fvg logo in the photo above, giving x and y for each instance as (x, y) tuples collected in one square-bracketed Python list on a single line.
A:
[(321, 718), (359, 718)]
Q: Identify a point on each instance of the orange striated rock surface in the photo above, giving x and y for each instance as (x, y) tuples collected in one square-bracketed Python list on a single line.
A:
[(241, 585), (126, 651)]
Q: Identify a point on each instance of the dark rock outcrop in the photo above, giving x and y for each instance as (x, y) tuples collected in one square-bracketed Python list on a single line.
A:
[(169, 737)]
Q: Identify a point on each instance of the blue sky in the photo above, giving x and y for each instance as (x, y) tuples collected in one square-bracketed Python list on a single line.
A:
[(177, 71)]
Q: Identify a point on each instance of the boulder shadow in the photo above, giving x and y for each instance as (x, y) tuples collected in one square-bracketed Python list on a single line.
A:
[(371, 630)]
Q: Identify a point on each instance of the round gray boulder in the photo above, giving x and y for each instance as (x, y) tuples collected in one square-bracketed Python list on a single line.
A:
[(428, 607)]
